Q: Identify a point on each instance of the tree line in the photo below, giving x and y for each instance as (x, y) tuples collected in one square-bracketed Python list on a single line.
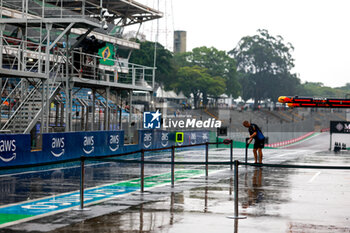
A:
[(259, 67)]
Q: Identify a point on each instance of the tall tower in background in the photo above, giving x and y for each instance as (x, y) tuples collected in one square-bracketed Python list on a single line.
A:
[(180, 38)]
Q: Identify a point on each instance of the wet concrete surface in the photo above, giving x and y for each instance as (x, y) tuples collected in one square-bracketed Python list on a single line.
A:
[(272, 199)]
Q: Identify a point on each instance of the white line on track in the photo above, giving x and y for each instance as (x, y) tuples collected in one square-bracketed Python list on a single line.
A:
[(314, 177), (289, 153), (51, 169)]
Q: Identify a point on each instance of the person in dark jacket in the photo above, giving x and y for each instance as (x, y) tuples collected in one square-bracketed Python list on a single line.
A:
[(259, 140)]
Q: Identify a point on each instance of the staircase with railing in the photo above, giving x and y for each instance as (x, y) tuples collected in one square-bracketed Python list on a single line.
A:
[(28, 112)]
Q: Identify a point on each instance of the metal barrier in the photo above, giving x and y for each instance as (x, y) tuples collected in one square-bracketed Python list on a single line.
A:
[(233, 164), (237, 163), (142, 162)]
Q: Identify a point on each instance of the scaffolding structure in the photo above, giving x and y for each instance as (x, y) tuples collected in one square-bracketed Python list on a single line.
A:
[(51, 51)]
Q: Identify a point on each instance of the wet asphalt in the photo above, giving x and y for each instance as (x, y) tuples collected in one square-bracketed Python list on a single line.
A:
[(271, 199)]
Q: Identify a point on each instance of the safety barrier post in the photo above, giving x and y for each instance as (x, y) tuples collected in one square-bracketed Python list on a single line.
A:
[(236, 216), (231, 154), (82, 178), (172, 166), (206, 158), (142, 170)]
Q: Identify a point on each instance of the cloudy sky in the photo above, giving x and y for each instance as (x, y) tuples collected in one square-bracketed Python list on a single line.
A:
[(318, 29)]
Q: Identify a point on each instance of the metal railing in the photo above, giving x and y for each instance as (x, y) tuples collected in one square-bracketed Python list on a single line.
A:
[(90, 66), (142, 162), (24, 55), (234, 165), (30, 56), (48, 9)]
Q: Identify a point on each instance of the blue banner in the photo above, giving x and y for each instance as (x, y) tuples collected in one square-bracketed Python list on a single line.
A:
[(194, 137), (62, 146), (14, 149), (150, 139)]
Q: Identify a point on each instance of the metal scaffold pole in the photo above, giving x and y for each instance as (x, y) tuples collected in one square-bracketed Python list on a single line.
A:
[(42, 106), (47, 74), (130, 115), (93, 109), (83, 7), (2, 28), (108, 89), (68, 107)]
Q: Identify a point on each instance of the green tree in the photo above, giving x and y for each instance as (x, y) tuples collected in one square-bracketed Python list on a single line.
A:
[(195, 80), (317, 89), (217, 63), (164, 61), (346, 87), (345, 90), (265, 64)]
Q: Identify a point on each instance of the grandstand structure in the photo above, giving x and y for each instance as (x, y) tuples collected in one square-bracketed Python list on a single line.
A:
[(64, 66)]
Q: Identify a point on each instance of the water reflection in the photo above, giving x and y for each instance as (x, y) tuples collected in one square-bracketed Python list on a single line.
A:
[(181, 209), (141, 218), (255, 192), (172, 202), (147, 217), (231, 187), (27, 184), (236, 226), (296, 227)]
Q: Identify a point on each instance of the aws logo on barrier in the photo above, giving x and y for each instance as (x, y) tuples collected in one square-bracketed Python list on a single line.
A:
[(88, 146), (193, 138), (205, 137), (57, 147), (164, 139), (114, 142), (7, 150), (147, 140)]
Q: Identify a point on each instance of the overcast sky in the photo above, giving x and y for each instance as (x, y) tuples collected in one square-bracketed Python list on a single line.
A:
[(319, 30)]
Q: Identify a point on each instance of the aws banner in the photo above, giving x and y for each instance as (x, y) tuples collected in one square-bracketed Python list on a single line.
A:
[(14, 149), (150, 139), (195, 137), (62, 146)]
